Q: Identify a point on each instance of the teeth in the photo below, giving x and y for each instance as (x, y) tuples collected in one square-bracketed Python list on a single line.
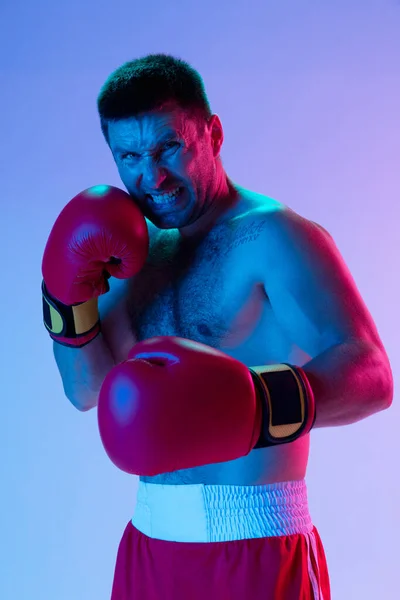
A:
[(165, 198)]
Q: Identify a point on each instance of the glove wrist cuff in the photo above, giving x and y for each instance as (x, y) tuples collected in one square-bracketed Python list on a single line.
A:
[(73, 326), (288, 405)]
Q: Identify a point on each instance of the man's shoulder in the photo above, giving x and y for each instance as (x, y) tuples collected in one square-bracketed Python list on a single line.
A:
[(284, 232), (256, 204), (279, 218), (286, 221)]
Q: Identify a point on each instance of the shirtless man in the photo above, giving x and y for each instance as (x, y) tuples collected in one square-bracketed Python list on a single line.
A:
[(219, 514)]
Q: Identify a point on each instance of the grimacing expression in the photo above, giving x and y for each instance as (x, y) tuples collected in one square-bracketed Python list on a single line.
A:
[(167, 163)]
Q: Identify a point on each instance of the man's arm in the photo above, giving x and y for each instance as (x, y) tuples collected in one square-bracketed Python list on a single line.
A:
[(316, 301), (100, 233), (83, 369)]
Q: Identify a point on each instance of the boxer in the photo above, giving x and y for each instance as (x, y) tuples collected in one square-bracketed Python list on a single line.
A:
[(214, 328)]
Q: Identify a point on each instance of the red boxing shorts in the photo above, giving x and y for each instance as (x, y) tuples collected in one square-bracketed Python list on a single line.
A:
[(221, 542)]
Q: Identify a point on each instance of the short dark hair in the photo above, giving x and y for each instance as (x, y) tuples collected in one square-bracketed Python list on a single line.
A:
[(146, 84)]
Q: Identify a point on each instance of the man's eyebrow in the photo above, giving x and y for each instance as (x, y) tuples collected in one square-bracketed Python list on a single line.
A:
[(168, 135), (119, 150)]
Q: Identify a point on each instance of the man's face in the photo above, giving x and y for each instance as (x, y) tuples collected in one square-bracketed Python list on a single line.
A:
[(167, 162)]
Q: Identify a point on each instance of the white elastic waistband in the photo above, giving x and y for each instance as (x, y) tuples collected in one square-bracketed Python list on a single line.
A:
[(219, 513)]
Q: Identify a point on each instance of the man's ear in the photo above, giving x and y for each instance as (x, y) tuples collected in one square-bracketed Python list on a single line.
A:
[(216, 134)]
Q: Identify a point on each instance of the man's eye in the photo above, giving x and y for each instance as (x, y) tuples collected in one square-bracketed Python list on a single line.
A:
[(129, 155), (171, 146)]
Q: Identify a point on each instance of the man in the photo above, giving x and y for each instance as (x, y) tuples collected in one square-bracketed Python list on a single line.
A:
[(217, 281)]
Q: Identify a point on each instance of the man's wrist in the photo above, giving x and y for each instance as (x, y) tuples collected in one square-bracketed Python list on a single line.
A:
[(74, 325), (287, 400)]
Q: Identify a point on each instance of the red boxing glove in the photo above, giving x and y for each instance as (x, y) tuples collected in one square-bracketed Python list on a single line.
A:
[(100, 233), (175, 404)]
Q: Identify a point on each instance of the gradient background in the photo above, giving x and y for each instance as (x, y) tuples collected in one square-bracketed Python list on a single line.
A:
[(309, 95)]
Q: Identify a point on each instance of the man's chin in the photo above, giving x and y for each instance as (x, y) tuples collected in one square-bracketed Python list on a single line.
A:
[(168, 221), (173, 220), (162, 225)]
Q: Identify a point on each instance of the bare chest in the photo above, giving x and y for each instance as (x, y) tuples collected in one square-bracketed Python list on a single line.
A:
[(210, 291)]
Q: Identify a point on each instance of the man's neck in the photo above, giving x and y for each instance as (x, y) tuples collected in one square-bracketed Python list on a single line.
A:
[(224, 199)]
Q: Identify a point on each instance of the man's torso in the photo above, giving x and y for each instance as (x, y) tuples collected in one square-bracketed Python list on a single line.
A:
[(212, 291)]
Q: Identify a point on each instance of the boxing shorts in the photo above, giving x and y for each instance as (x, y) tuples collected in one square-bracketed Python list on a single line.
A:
[(221, 542)]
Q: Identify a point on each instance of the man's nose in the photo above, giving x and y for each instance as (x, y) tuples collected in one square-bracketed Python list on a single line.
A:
[(151, 174)]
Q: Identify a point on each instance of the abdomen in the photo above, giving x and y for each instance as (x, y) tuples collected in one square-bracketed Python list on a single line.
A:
[(286, 462)]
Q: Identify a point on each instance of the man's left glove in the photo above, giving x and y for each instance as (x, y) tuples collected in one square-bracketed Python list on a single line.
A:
[(177, 404)]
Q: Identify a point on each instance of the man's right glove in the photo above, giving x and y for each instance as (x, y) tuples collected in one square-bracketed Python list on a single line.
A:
[(100, 233)]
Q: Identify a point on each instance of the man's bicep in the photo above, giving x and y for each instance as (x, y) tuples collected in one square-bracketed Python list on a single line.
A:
[(311, 289)]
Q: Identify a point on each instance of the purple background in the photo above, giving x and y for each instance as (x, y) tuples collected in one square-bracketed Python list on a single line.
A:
[(309, 95)]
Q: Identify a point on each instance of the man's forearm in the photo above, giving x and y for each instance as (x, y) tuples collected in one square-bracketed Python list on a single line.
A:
[(83, 371), (350, 381)]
